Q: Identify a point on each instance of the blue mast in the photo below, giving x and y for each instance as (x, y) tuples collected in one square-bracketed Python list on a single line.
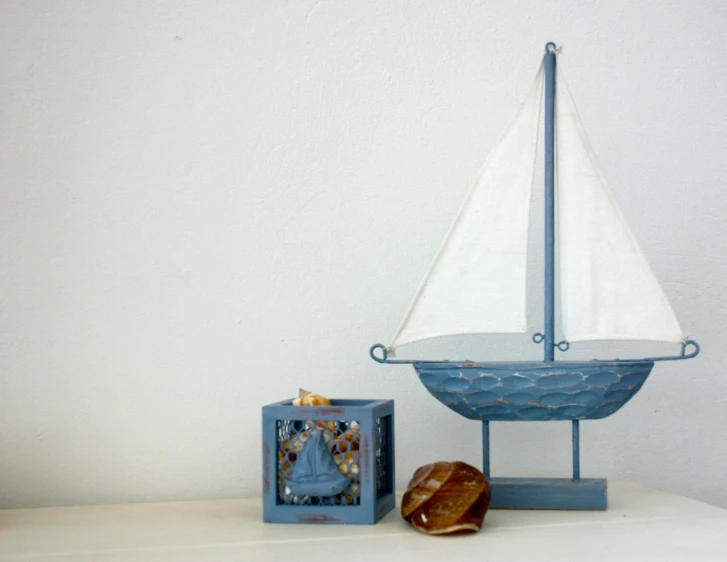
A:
[(549, 343), (549, 340)]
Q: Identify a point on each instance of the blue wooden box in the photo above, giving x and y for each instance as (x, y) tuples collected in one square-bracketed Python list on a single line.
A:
[(360, 437)]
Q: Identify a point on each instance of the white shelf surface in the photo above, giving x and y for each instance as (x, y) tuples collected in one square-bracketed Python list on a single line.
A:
[(641, 524)]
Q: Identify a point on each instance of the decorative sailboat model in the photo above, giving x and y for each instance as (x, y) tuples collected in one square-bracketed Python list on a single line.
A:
[(477, 284)]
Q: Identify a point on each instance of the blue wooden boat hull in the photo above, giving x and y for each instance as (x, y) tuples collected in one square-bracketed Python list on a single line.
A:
[(534, 391)]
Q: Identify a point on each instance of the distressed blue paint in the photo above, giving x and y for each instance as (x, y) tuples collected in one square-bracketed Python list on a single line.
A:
[(486, 448), (377, 471), (548, 493), (534, 391), (576, 450), (549, 345)]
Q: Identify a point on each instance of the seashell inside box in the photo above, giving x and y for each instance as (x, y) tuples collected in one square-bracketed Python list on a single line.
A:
[(330, 463)]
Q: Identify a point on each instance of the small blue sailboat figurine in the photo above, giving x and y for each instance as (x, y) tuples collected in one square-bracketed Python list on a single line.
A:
[(315, 472), (477, 285)]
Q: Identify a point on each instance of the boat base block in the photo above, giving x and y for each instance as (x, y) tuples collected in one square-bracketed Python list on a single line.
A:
[(548, 493)]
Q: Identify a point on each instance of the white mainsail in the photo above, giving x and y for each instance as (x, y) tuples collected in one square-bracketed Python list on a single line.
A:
[(477, 283), (607, 289)]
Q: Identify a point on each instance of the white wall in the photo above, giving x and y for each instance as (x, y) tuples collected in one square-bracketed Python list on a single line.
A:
[(205, 205)]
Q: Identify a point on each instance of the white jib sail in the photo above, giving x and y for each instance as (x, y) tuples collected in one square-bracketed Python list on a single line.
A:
[(607, 289), (477, 281)]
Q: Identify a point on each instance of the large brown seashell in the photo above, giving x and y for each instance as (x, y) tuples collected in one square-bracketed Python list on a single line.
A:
[(445, 498)]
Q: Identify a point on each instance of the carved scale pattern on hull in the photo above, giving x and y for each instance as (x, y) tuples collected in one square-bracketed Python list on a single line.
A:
[(532, 391)]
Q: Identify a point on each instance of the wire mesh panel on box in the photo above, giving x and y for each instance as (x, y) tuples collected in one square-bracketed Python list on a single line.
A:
[(343, 441), (332, 464)]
